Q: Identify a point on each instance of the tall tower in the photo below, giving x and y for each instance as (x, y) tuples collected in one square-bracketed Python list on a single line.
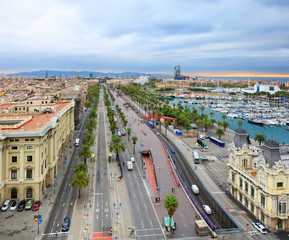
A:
[(177, 72), (46, 74)]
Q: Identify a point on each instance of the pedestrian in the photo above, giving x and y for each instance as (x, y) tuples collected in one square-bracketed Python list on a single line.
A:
[(56, 234), (172, 190)]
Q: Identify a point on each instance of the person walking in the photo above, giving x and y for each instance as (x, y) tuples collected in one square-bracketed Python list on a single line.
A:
[(172, 190)]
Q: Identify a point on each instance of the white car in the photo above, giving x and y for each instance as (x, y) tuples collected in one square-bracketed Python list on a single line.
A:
[(132, 159), (14, 204), (207, 209), (259, 227), (202, 137), (5, 206)]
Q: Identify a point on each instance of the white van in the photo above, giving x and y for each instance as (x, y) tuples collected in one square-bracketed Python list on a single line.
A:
[(195, 189), (207, 209), (76, 142)]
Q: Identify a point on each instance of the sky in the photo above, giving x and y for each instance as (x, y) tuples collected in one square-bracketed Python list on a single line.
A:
[(205, 37)]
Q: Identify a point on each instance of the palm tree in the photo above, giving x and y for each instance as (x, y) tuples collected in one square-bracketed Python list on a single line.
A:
[(80, 181), (134, 139), (224, 117), (240, 122), (124, 122), (85, 152), (198, 124), (167, 123), (128, 133), (225, 125), (219, 123), (211, 114), (220, 132), (80, 167), (260, 138), (171, 204), (116, 145), (202, 108), (207, 124)]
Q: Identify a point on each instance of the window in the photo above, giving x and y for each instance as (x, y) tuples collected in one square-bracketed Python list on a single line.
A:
[(233, 191), (30, 102), (246, 186), (262, 217), (14, 147), (246, 202), (16, 140), (240, 197), (42, 154), (16, 109), (241, 182), (26, 140), (14, 159), (29, 147), (14, 174), (42, 169), (279, 184), (45, 163), (281, 208), (252, 192), (233, 177), (245, 160), (45, 150), (29, 193), (32, 140), (252, 208), (11, 140), (29, 159), (262, 200), (29, 173)]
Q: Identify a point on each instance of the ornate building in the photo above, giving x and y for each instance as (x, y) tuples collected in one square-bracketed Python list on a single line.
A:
[(31, 142), (259, 180)]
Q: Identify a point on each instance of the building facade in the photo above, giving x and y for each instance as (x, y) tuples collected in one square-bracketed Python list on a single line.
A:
[(30, 148), (259, 180)]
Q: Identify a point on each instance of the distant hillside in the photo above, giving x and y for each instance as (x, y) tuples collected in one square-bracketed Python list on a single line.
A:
[(42, 73)]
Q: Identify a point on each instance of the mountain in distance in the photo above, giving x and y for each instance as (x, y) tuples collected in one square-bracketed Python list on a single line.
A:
[(42, 73)]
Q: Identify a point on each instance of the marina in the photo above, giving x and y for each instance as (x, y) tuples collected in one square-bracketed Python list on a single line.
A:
[(257, 117)]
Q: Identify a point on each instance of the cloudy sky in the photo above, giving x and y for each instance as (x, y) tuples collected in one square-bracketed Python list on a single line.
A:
[(213, 37)]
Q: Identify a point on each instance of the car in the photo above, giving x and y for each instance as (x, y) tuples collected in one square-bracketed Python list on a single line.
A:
[(202, 137), (21, 206), (132, 159), (123, 132), (14, 204), (65, 224), (259, 227), (29, 204), (119, 134), (6, 205), (195, 189), (207, 209), (36, 206), (173, 151)]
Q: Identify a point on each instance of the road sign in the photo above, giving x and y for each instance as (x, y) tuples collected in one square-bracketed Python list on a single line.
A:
[(40, 220), (36, 220)]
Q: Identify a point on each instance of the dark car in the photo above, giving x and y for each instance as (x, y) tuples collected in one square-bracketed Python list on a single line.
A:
[(65, 224), (173, 151), (21, 206)]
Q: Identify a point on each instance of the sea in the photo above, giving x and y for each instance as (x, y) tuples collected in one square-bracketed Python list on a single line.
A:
[(276, 133), (280, 79)]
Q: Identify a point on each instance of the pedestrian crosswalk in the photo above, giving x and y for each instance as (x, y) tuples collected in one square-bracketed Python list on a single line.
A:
[(233, 210)]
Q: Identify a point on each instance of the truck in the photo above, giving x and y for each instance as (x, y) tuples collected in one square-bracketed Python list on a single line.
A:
[(129, 165)]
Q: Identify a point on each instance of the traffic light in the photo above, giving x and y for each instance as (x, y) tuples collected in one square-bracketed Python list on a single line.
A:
[(158, 199)]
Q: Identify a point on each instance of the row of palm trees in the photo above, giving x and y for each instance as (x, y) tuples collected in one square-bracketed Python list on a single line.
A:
[(80, 180)]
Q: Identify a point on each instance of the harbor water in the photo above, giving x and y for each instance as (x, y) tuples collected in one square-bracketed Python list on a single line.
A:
[(273, 132)]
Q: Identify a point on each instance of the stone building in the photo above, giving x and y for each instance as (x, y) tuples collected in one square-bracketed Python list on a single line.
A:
[(259, 180)]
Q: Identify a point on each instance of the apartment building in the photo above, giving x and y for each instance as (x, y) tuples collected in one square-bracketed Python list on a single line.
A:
[(31, 143), (259, 180)]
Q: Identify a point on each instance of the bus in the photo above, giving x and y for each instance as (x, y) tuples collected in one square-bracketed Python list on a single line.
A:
[(202, 228), (196, 157), (217, 142), (202, 143), (151, 124)]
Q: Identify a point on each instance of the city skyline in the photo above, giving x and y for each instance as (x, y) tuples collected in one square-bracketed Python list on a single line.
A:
[(209, 38)]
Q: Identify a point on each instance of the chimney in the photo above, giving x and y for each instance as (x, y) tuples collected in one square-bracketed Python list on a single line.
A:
[(271, 152), (240, 137)]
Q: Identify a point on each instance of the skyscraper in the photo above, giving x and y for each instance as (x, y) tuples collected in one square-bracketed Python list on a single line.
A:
[(177, 72)]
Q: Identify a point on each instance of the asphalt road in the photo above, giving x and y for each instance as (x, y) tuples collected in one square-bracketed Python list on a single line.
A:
[(66, 196), (145, 219), (101, 219)]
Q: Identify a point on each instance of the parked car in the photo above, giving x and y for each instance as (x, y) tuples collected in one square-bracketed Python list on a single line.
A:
[(132, 159), (259, 227), (36, 205), (29, 204), (14, 204), (6, 205), (123, 132), (207, 209), (202, 137), (65, 224), (21, 206), (173, 151)]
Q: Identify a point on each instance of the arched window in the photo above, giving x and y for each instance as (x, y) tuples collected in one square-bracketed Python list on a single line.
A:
[(29, 192), (13, 193)]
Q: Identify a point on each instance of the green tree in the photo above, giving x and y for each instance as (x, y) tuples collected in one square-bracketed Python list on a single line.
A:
[(219, 123), (260, 138), (207, 124), (224, 117), (80, 181), (171, 204), (87, 104), (116, 145), (202, 108), (211, 114), (220, 132), (198, 124), (225, 125), (134, 140), (187, 124), (240, 122), (81, 167), (85, 152), (128, 133)]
